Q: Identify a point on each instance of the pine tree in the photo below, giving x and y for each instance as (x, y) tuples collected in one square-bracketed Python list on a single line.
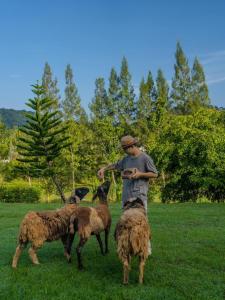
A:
[(200, 93), (146, 98), (161, 105), (43, 138), (72, 104), (51, 90), (181, 83), (99, 105), (126, 104), (113, 95)]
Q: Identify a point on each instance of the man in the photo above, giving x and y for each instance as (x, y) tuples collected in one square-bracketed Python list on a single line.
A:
[(137, 184)]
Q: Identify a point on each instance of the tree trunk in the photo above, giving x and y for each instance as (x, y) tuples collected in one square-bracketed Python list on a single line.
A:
[(29, 180), (72, 167), (163, 178), (59, 189)]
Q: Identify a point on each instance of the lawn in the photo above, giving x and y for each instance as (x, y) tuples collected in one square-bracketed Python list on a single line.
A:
[(188, 260)]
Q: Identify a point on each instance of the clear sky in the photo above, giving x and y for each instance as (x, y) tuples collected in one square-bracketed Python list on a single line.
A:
[(94, 35)]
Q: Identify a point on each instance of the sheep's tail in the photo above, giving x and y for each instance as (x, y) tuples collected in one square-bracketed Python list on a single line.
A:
[(139, 239), (132, 241), (23, 234)]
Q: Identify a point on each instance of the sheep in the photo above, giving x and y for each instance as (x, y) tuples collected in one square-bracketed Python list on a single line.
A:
[(132, 234), (89, 221), (38, 227)]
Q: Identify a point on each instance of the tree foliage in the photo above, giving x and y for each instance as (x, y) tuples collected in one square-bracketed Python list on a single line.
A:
[(43, 138)]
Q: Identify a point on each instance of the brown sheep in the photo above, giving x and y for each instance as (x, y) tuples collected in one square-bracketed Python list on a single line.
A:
[(38, 227), (89, 221), (132, 235)]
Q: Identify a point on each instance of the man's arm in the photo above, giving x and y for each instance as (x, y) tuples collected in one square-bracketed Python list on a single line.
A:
[(144, 175), (106, 168)]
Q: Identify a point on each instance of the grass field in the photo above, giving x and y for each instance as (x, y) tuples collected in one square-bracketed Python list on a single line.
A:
[(188, 260)]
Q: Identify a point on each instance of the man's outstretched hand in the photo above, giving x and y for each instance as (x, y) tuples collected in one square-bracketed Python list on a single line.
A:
[(101, 173)]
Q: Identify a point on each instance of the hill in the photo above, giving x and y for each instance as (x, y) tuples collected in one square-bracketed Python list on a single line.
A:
[(12, 117)]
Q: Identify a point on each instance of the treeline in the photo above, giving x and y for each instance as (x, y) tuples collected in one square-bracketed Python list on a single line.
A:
[(176, 125)]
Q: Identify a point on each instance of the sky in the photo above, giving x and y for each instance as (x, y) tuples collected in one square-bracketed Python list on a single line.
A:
[(93, 36)]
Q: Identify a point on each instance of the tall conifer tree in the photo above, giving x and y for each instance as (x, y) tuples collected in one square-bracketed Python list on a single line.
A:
[(43, 138), (126, 107), (113, 95), (51, 90), (181, 83), (146, 98), (161, 105), (72, 103), (99, 104), (200, 93)]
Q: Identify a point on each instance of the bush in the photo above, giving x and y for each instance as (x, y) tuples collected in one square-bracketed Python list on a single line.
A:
[(19, 191)]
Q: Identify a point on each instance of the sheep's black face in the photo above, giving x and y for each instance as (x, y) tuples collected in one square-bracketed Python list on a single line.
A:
[(78, 195), (102, 191), (104, 188), (81, 192)]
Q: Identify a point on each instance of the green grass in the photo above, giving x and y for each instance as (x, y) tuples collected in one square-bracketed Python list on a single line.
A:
[(188, 260)]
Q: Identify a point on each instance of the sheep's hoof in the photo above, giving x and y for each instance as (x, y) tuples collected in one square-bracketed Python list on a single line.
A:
[(125, 283), (36, 263), (69, 260), (81, 268), (72, 230), (68, 257)]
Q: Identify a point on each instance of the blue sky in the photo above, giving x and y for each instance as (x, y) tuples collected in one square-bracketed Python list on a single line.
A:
[(94, 35)]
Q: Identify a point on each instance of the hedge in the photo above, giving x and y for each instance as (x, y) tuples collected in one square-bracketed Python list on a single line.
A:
[(19, 192)]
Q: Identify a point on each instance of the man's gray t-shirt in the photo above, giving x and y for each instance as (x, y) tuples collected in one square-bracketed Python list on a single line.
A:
[(133, 188)]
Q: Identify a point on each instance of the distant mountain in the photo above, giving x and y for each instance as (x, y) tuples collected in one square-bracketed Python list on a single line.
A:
[(12, 117)]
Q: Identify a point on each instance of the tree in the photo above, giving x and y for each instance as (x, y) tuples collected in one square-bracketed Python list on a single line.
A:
[(146, 98), (72, 104), (113, 95), (43, 138), (126, 104), (200, 93), (190, 156), (99, 105), (161, 104), (181, 83), (49, 84)]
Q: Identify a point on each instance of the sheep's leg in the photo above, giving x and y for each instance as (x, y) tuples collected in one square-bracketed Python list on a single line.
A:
[(78, 250), (33, 255), (64, 240), (106, 240), (126, 269), (141, 269), (17, 254), (100, 243), (68, 246)]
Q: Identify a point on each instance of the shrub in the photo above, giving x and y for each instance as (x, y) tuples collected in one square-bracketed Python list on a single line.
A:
[(19, 191)]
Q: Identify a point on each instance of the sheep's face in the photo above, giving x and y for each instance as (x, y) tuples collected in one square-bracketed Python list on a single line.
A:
[(133, 203), (102, 191), (78, 195), (73, 199)]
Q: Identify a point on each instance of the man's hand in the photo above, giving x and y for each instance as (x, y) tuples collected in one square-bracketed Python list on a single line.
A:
[(101, 173), (137, 175)]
